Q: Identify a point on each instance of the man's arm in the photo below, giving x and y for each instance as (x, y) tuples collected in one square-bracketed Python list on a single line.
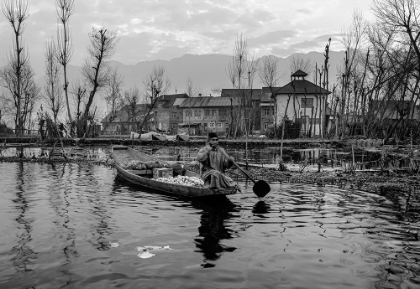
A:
[(227, 160), (203, 154)]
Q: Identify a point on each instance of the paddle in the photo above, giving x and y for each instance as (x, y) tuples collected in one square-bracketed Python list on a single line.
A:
[(261, 188)]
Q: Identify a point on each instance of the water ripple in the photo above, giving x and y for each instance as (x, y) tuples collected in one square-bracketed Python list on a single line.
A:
[(58, 223)]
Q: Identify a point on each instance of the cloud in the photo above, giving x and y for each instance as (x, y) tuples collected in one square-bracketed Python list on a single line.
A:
[(318, 43), (134, 47), (304, 11), (273, 37), (159, 28)]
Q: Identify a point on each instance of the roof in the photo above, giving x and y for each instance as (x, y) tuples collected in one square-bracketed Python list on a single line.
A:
[(232, 92), (302, 86), (178, 101), (189, 123), (205, 101), (299, 73), (123, 115), (167, 100), (272, 89), (266, 97)]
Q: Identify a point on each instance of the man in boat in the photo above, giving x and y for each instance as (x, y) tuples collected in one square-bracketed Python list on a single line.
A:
[(213, 164)]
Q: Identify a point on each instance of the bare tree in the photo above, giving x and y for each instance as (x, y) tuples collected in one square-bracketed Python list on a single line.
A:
[(113, 95), (79, 101), (64, 51), (191, 89), (270, 76), (16, 12), (299, 63), (130, 100), (95, 70), (241, 71), (403, 17), (52, 91), (352, 40), (155, 84)]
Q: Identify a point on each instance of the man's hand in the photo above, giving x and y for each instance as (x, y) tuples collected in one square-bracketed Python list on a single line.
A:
[(231, 159)]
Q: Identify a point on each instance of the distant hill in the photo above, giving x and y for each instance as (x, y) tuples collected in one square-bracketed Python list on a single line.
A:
[(206, 71)]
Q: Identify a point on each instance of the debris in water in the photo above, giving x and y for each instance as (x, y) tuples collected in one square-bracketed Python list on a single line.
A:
[(145, 250), (145, 255)]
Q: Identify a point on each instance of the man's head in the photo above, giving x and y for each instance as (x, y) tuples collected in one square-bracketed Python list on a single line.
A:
[(213, 139)]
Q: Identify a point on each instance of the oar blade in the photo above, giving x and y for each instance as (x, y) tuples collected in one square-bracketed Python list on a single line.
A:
[(261, 188)]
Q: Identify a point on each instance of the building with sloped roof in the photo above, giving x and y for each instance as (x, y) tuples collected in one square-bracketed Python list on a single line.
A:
[(258, 98), (168, 116), (302, 101), (201, 115), (126, 119)]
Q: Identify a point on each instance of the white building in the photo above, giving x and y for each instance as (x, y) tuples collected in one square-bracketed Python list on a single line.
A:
[(304, 102)]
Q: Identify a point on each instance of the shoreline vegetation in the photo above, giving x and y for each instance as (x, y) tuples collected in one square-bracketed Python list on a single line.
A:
[(400, 185)]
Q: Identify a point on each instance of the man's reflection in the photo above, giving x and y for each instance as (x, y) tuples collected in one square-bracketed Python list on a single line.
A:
[(212, 229)]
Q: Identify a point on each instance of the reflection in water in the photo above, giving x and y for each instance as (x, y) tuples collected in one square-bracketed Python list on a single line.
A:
[(261, 208), (60, 202), (60, 219), (24, 254), (100, 228), (212, 229)]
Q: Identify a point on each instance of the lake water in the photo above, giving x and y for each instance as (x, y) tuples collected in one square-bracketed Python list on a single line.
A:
[(79, 226), (269, 156)]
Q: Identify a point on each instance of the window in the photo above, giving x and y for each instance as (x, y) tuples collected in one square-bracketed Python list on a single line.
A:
[(197, 113), (222, 114), (173, 125), (219, 125), (188, 113), (214, 113), (307, 103), (266, 126), (207, 113), (174, 115), (266, 111), (211, 124)]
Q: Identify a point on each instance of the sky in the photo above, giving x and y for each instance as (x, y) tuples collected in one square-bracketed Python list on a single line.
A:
[(167, 29)]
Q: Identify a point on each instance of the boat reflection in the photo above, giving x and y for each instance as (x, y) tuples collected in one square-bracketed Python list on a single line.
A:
[(212, 228)]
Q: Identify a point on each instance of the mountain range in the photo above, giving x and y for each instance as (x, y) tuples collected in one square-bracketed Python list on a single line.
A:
[(207, 72)]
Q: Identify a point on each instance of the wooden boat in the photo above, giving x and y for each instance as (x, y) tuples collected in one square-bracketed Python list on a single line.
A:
[(122, 155)]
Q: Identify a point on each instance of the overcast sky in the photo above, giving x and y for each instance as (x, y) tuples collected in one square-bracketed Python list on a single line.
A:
[(166, 29)]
